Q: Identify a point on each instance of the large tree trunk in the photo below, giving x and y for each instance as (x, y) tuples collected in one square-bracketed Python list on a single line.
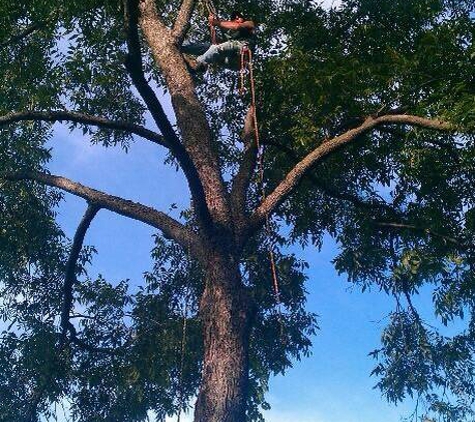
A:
[(226, 313)]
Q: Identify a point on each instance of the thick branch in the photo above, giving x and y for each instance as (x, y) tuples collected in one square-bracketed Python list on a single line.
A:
[(182, 22), (170, 227), (190, 114), (134, 66), (291, 181), (71, 265), (87, 119)]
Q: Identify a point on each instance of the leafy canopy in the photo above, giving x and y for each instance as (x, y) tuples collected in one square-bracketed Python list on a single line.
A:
[(399, 202)]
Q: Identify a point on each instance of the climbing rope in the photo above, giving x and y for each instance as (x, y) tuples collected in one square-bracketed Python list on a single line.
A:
[(211, 8), (246, 62), (182, 358)]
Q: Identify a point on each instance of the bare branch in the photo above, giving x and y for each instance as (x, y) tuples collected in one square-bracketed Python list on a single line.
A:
[(87, 119), (292, 179), (71, 265), (403, 226), (182, 22), (170, 227)]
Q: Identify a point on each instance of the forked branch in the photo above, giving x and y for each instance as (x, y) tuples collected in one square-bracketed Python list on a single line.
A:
[(134, 66), (189, 111)]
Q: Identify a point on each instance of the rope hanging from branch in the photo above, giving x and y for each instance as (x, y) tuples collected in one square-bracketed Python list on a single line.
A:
[(211, 9), (246, 62)]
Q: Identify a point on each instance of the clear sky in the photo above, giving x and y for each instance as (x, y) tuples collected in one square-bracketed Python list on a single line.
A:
[(333, 385)]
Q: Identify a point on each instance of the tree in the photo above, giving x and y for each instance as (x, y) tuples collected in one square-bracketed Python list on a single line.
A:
[(376, 149)]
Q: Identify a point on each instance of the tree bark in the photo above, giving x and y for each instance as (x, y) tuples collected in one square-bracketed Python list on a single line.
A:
[(226, 313)]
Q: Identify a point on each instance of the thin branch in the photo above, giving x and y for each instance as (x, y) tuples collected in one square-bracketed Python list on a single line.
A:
[(182, 22), (87, 119), (86, 346), (36, 26), (21, 35), (404, 226), (411, 306), (134, 66), (335, 193), (71, 265), (170, 227), (293, 178)]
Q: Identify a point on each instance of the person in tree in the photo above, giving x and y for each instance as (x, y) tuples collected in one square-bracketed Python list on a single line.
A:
[(238, 33)]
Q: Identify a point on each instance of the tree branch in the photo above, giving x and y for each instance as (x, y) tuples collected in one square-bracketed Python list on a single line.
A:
[(87, 119), (335, 193), (23, 34), (86, 346), (170, 227), (70, 280), (177, 149), (134, 66), (182, 22), (32, 28), (71, 265), (292, 179), (403, 226), (189, 111)]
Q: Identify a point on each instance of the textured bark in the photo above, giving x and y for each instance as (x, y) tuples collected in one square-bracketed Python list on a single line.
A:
[(190, 114), (225, 311)]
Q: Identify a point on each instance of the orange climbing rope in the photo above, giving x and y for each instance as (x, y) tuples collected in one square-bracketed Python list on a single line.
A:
[(246, 61), (211, 11)]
